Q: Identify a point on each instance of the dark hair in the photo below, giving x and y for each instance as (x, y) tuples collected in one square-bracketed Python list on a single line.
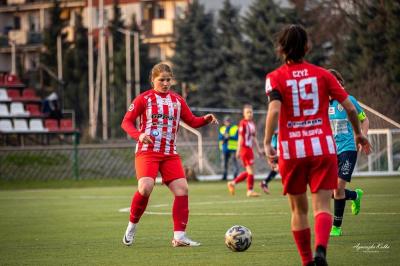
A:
[(292, 43), (337, 75), (158, 69)]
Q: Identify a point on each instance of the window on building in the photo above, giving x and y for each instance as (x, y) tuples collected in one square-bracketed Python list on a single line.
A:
[(17, 23), (159, 11)]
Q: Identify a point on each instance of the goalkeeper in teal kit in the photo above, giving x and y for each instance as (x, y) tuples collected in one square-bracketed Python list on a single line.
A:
[(347, 157)]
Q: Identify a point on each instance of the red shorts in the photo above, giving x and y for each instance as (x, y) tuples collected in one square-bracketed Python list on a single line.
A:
[(318, 172), (150, 163), (247, 156)]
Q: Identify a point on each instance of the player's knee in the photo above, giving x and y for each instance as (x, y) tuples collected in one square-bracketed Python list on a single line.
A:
[(145, 187), (181, 191), (299, 210)]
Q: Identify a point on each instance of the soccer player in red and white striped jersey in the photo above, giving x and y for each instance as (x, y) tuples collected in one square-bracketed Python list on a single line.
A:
[(160, 110), (298, 95), (247, 141)]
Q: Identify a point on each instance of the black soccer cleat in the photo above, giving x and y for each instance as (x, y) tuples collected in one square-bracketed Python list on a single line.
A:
[(320, 256)]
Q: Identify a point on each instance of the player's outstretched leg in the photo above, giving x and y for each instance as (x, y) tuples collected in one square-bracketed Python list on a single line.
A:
[(181, 240), (231, 187), (180, 215), (339, 205), (264, 183), (356, 204), (250, 185), (238, 179), (129, 236), (138, 206)]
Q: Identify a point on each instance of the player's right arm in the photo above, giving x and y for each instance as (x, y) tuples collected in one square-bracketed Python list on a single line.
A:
[(240, 139), (137, 107), (271, 122)]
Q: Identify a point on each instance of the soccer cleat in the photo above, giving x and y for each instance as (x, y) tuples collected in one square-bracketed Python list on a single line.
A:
[(129, 236), (336, 231), (251, 193), (356, 204), (184, 242), (264, 187), (320, 256), (231, 188)]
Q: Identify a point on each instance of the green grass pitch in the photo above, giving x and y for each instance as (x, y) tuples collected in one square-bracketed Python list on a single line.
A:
[(83, 226)]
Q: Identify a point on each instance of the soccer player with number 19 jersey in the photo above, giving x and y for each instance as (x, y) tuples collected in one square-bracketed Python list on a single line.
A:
[(298, 95)]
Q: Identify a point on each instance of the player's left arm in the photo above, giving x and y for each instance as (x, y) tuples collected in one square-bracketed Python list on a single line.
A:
[(256, 145), (195, 121), (361, 116), (355, 122)]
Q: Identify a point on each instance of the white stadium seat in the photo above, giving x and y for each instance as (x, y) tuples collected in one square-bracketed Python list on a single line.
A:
[(36, 125), (17, 109), (4, 96), (20, 125), (4, 110), (6, 125)]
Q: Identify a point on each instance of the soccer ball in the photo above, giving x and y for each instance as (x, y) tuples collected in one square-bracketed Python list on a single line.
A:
[(238, 238)]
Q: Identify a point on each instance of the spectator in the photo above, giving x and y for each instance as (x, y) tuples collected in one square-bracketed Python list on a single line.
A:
[(228, 138)]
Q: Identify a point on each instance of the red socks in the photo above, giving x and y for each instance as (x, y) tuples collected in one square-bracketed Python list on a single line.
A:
[(250, 182), (323, 225), (138, 206), (241, 177), (303, 242), (180, 212)]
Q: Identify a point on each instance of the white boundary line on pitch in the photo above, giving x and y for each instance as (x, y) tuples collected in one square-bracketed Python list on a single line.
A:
[(243, 214)]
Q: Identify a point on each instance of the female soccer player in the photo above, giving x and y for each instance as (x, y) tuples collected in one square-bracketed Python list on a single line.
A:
[(298, 95), (160, 111), (347, 157), (247, 141)]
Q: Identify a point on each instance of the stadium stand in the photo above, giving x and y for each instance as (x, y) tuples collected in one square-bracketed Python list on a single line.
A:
[(51, 124), (33, 109), (17, 109), (4, 110), (4, 96), (21, 116), (6, 125), (29, 95)]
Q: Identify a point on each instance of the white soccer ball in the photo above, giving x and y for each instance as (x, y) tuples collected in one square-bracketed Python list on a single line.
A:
[(238, 238)]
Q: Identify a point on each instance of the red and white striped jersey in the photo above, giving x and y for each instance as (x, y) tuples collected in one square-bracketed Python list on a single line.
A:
[(247, 130), (159, 115), (304, 129)]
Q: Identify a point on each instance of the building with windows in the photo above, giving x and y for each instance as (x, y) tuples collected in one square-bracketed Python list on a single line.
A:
[(22, 23)]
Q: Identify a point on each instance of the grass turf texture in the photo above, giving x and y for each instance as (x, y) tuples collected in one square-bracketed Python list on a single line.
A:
[(82, 226)]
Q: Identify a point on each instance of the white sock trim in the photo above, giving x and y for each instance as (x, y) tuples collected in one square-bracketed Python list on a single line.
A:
[(179, 234)]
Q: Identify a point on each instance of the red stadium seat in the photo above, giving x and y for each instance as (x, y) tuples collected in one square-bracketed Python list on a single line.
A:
[(13, 94), (12, 80), (66, 124), (33, 109), (51, 124), (29, 94)]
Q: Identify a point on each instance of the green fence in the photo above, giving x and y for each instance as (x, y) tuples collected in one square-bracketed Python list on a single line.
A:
[(100, 161)]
